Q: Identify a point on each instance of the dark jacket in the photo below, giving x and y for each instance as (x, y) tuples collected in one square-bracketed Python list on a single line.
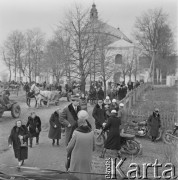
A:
[(21, 153), (34, 126), (113, 138), (154, 123), (100, 94), (54, 132), (69, 116), (114, 107), (99, 115), (83, 104)]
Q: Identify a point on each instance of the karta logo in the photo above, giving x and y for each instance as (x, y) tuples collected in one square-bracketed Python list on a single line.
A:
[(136, 171)]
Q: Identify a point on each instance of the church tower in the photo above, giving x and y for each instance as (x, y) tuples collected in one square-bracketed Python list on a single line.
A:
[(93, 12)]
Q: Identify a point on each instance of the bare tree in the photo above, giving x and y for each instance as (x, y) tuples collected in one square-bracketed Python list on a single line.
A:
[(34, 47), (13, 48), (55, 59), (154, 34), (8, 63), (78, 27)]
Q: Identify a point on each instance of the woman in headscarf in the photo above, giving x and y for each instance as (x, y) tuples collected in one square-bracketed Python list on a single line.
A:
[(81, 147), (154, 124), (113, 140), (55, 128), (19, 139)]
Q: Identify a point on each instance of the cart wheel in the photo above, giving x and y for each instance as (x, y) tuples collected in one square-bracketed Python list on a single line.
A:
[(15, 111)]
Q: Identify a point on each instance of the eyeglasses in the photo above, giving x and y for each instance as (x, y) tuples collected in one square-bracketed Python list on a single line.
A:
[(156, 111)]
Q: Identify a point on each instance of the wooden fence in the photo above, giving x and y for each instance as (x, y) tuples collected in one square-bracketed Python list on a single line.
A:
[(167, 118), (133, 96)]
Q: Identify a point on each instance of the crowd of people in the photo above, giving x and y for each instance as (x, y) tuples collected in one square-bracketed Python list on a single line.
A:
[(79, 135)]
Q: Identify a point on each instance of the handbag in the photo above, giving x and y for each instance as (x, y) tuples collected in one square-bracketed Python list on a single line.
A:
[(23, 144)]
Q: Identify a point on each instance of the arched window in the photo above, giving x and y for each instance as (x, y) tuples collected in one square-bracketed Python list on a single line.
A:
[(118, 59)]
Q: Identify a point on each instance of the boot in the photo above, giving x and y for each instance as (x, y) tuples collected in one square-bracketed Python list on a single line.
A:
[(31, 142), (37, 140), (57, 142), (53, 142)]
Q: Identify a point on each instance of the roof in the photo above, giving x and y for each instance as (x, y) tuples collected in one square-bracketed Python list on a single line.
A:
[(121, 43), (115, 32)]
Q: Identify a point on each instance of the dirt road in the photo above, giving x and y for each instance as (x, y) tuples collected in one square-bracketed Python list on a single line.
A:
[(7, 122)]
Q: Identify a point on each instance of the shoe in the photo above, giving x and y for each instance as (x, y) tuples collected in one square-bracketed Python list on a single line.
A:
[(37, 143), (22, 163), (53, 142)]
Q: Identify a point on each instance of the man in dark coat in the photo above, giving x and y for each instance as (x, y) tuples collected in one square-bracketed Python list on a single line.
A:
[(154, 124), (69, 118), (99, 114), (100, 93), (55, 128), (34, 126), (113, 139), (19, 139)]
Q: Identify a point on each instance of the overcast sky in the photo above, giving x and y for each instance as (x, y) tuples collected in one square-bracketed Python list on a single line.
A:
[(27, 14)]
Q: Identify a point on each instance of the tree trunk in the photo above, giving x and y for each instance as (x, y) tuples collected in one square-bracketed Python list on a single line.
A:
[(82, 85), (10, 74)]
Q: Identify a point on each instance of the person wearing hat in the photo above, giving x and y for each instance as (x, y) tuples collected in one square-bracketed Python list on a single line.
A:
[(34, 127), (107, 101), (154, 124), (19, 140), (80, 148), (113, 139), (99, 114), (114, 105), (55, 128), (69, 118), (122, 113)]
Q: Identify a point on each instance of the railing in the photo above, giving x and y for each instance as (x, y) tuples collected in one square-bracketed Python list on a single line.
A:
[(168, 119), (134, 96)]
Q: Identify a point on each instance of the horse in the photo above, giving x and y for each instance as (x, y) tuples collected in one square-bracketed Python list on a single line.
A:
[(45, 96)]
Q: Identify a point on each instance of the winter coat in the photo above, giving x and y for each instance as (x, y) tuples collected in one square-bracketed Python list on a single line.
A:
[(69, 116), (83, 104), (113, 138), (21, 153), (54, 132), (34, 126), (99, 115), (81, 147), (154, 123), (114, 107), (100, 94)]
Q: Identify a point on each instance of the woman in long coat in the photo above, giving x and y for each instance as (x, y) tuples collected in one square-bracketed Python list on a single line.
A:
[(99, 114), (81, 147), (55, 128), (19, 139), (154, 124), (113, 140)]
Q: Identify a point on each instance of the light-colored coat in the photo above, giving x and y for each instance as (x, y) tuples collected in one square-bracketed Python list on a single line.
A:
[(69, 116), (81, 146)]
